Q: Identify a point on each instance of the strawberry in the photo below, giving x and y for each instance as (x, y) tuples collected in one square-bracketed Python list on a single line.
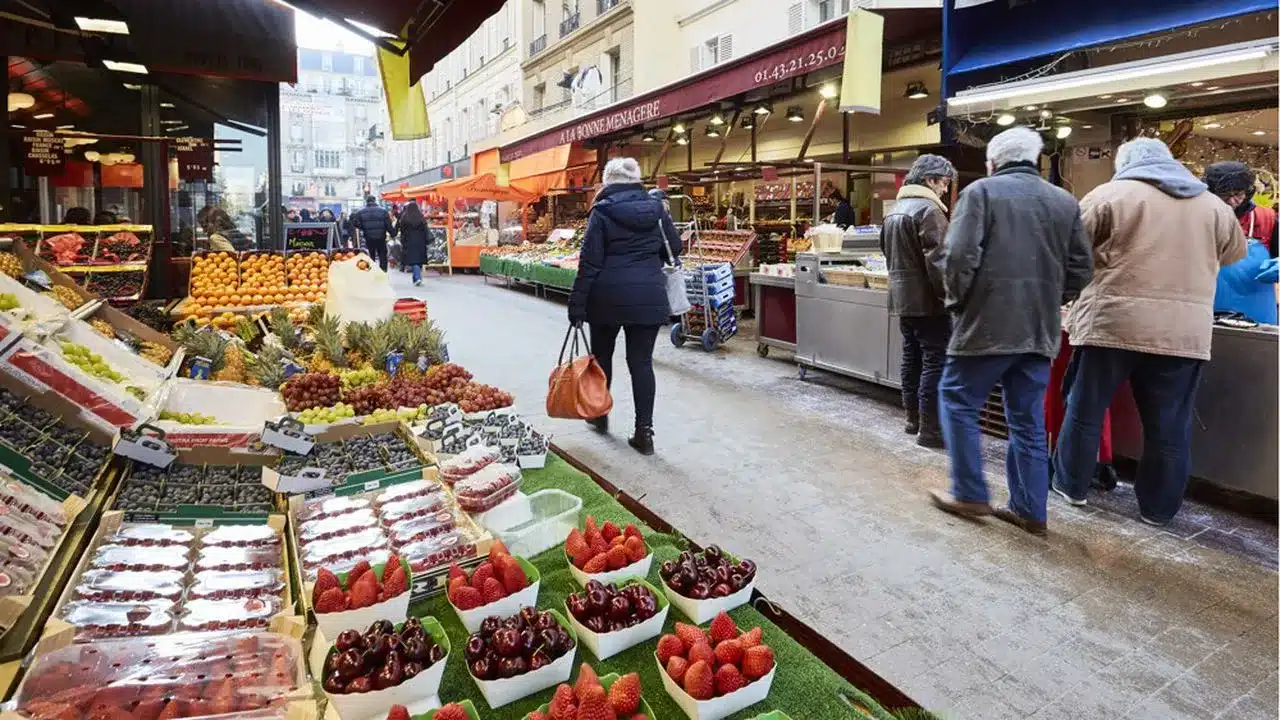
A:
[(455, 583), (587, 678), (690, 635), (702, 651), (598, 543), (750, 638), (597, 564), (482, 573), (591, 526), (333, 600), (669, 646), (513, 578), (580, 560), (757, 662), (456, 571), (468, 598), (397, 583), (392, 563), (624, 694), (564, 706), (699, 681), (492, 591), (452, 711), (676, 668), (617, 558), (398, 712), (595, 705), (610, 531), (728, 679), (535, 715), (575, 543), (325, 580), (722, 628), (496, 549), (223, 698), (365, 592), (636, 549), (729, 651), (617, 541), (631, 531), (361, 568)]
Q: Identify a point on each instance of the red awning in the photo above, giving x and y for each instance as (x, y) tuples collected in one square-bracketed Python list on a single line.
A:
[(483, 187)]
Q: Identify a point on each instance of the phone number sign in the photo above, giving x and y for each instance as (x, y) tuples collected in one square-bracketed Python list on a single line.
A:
[(815, 53)]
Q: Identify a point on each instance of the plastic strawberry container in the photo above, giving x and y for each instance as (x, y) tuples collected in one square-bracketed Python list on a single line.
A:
[(403, 510), (96, 620), (406, 491), (227, 584), (487, 488), (361, 544), (422, 527), (242, 536), (218, 557), (230, 614), (100, 584), (124, 557), (426, 555), (331, 506), (337, 526), (151, 534)]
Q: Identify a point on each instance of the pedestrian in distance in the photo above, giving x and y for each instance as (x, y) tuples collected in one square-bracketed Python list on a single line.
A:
[(912, 240), (621, 286), (1245, 287), (1159, 238), (305, 215), (412, 229), (374, 224), (1016, 251)]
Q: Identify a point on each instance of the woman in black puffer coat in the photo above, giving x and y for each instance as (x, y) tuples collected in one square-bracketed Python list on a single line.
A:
[(621, 287), (414, 235)]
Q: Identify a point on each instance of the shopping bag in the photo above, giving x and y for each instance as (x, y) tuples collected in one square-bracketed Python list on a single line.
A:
[(577, 388), (359, 291), (677, 293)]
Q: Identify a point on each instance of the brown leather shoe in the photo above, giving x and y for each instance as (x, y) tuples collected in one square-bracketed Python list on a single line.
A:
[(1034, 527), (945, 502)]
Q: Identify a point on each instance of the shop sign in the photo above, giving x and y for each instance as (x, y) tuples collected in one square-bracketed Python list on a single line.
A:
[(308, 236), (820, 51), (43, 153), (195, 158)]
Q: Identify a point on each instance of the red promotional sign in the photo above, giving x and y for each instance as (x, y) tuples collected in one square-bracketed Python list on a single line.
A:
[(819, 51), (75, 173), (195, 158), (664, 182), (769, 173), (43, 154), (123, 175)]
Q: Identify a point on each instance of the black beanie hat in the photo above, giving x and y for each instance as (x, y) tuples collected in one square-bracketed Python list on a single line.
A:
[(1229, 177)]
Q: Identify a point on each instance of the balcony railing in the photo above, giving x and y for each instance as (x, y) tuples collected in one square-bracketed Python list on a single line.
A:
[(569, 24), (538, 45), (604, 6)]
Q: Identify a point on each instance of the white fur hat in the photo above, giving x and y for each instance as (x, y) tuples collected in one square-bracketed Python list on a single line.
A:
[(621, 170)]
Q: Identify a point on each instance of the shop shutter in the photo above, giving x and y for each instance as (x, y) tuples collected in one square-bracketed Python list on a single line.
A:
[(797, 17), (726, 48)]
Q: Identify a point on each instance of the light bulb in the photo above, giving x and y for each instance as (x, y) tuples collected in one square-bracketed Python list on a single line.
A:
[(1155, 101), (1005, 120), (1064, 132)]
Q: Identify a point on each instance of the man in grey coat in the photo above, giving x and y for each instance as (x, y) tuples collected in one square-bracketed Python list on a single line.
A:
[(1016, 251)]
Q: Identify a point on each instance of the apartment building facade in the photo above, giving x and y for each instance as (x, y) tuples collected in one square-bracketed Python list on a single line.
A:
[(333, 126)]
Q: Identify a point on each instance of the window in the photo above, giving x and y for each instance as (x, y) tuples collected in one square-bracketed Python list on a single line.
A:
[(326, 83), (326, 62), (539, 18), (717, 50), (295, 128), (328, 160), (330, 190), (798, 16), (298, 161), (613, 63), (539, 96), (299, 188)]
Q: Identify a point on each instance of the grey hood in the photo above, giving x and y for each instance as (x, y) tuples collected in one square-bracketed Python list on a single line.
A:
[(1169, 176)]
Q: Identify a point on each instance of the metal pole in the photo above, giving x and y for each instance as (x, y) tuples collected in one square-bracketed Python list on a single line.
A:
[(275, 218), (6, 169), (155, 164), (817, 193)]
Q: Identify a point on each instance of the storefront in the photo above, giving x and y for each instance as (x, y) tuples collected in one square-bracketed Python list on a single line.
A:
[(1202, 78)]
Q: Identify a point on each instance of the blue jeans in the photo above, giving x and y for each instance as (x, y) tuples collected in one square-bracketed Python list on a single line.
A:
[(966, 383), (1164, 389), (417, 272)]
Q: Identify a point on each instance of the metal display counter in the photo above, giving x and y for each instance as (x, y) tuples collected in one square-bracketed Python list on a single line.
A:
[(774, 299), (846, 330)]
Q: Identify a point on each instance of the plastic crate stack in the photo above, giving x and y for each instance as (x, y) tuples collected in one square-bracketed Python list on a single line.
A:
[(717, 279)]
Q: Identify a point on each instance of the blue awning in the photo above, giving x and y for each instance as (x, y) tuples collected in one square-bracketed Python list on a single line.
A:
[(992, 34)]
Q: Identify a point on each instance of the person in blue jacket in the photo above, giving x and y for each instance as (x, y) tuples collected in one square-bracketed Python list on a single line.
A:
[(621, 287), (1248, 285)]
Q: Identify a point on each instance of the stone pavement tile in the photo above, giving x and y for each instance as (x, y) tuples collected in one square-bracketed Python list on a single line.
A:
[(1092, 651), (1027, 692), (1139, 675), (958, 675), (1261, 550), (1012, 649), (1251, 708), (1269, 688), (1220, 679), (984, 704), (867, 639), (1166, 705), (904, 661), (1185, 646)]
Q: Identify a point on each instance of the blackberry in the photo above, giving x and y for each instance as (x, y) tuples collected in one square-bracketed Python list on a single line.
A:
[(18, 434), (65, 434), (82, 467), (363, 454), (146, 473), (91, 449), (48, 452), (291, 464)]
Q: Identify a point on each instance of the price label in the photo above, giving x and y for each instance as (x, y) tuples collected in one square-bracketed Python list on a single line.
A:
[(373, 485), (204, 523)]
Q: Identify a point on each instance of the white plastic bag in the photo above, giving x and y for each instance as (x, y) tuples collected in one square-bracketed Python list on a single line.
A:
[(359, 291)]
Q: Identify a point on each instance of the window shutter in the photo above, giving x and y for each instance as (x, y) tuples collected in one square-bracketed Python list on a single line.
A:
[(695, 58), (726, 47), (795, 18)]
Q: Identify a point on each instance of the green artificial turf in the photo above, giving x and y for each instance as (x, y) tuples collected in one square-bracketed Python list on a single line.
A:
[(803, 687)]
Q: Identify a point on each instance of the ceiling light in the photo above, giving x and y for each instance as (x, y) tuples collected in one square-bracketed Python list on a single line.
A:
[(711, 131), (1046, 114), (916, 91), (43, 116), (1155, 101), (65, 127), (103, 25), (1104, 97), (129, 67), (1086, 127), (1212, 125), (808, 160), (678, 128), (132, 86), (1005, 120), (1122, 100), (1029, 108), (166, 105), (1064, 132), (16, 126), (717, 119), (748, 122), (682, 140), (648, 137), (763, 108), (1214, 87), (20, 101), (170, 122), (828, 91), (92, 156), (1197, 84), (795, 114), (737, 169), (1259, 133)]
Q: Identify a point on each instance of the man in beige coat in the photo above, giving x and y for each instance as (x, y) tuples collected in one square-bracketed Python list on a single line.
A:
[(1159, 238)]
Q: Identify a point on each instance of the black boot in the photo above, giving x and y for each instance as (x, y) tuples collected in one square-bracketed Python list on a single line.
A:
[(1104, 477), (642, 441), (600, 424), (930, 432), (913, 421)]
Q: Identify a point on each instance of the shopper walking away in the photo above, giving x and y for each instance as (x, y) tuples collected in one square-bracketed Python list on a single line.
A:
[(1159, 238), (1244, 287), (621, 287), (374, 224), (911, 238), (1016, 250), (413, 233)]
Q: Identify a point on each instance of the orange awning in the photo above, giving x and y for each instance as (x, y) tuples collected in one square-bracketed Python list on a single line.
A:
[(558, 167), (484, 186)]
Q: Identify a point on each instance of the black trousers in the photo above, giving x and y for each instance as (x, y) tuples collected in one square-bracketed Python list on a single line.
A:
[(378, 251), (640, 342), (924, 353)]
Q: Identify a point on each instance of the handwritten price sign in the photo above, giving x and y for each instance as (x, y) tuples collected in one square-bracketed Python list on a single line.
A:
[(195, 158)]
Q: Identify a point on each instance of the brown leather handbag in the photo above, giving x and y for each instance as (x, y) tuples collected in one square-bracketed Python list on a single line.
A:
[(578, 389)]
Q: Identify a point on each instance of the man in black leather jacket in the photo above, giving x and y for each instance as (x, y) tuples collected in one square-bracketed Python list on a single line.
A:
[(912, 239), (375, 226)]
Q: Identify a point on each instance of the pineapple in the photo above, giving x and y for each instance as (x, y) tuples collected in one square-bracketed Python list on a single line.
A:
[(283, 326), (357, 334), (316, 314), (267, 367), (233, 370), (245, 329), (329, 354), (203, 343)]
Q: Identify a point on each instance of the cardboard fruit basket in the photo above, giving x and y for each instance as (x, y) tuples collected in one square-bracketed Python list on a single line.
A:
[(607, 681), (509, 605), (418, 693), (639, 568), (507, 690), (240, 410), (701, 611), (395, 609), (606, 645), (719, 707)]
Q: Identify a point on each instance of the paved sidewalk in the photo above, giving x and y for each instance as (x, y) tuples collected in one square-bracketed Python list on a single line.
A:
[(1109, 618)]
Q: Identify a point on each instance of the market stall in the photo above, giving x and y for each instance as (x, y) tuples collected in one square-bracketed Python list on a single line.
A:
[(477, 207)]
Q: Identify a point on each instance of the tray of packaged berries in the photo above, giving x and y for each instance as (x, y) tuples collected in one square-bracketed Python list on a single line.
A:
[(149, 578), (185, 492), (47, 451), (414, 518), (354, 455)]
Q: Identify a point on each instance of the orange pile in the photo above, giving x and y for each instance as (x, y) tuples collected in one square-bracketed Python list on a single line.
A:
[(341, 255), (307, 268), (217, 282), (261, 271)]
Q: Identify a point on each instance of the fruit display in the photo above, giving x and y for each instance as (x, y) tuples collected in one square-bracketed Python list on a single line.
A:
[(69, 248), (521, 643), (179, 676), (188, 418), (69, 298), (103, 328), (326, 415), (610, 608), (312, 390), (261, 271), (352, 379), (224, 280), (8, 301), (116, 285), (487, 488), (89, 361), (381, 658), (340, 255), (60, 454), (307, 268), (156, 353), (717, 246), (32, 524), (122, 247), (233, 488), (361, 588), (492, 580), (709, 574), (604, 547), (591, 696), (151, 579), (715, 662), (10, 265)]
